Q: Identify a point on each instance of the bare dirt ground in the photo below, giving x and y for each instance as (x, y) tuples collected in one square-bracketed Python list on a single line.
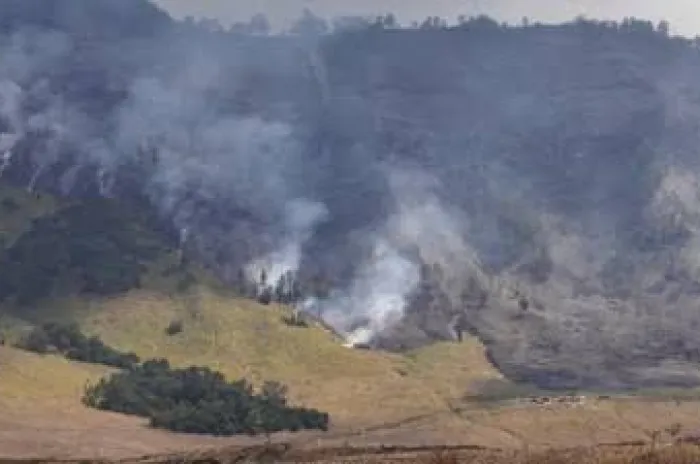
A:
[(679, 453)]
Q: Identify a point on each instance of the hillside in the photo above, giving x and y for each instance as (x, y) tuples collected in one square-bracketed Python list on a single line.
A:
[(483, 212), (537, 182), (236, 336), (373, 397), (361, 389), (244, 339), (427, 395)]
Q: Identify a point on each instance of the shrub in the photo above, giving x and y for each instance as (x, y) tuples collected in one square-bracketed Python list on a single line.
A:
[(69, 341), (199, 400), (265, 296), (36, 341), (174, 328), (295, 320)]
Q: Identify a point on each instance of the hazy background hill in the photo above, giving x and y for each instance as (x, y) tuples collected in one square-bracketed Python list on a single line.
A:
[(535, 185)]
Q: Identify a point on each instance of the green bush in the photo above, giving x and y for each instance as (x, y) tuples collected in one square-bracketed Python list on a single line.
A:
[(174, 328), (199, 400), (71, 343), (295, 320)]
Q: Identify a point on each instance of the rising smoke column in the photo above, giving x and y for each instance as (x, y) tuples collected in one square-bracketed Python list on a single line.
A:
[(225, 178), (595, 228), (420, 231), (301, 217)]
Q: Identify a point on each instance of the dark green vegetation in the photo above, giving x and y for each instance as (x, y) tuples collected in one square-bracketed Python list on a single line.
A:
[(296, 319), (69, 341), (199, 400), (174, 328), (95, 247), (192, 400)]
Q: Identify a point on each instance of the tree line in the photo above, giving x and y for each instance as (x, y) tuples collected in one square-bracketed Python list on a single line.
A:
[(94, 247)]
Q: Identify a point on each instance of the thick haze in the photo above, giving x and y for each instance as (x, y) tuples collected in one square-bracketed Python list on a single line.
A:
[(539, 186), (684, 15)]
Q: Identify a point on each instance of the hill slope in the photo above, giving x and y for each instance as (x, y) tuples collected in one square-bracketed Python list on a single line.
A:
[(243, 339), (363, 390), (237, 336), (373, 397)]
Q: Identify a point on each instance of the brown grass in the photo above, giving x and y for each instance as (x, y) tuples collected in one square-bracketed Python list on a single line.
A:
[(374, 398), (243, 339)]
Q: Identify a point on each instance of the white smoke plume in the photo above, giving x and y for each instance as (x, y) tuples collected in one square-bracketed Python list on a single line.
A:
[(549, 215), (377, 298), (301, 217), (419, 232)]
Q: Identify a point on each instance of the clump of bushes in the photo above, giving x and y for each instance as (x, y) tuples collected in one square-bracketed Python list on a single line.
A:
[(295, 320), (174, 328), (69, 341), (199, 400)]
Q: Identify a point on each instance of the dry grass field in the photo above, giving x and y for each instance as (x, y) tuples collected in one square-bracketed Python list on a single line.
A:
[(375, 399)]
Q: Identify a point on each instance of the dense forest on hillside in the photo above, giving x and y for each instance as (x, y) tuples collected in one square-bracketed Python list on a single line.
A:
[(534, 184), (94, 247)]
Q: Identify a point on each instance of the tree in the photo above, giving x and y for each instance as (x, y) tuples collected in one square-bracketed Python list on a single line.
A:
[(387, 21), (309, 25), (96, 246), (259, 25), (350, 23), (274, 393), (36, 341)]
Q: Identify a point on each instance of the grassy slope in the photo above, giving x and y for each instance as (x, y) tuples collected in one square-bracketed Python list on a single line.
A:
[(244, 339), (27, 379), (397, 398)]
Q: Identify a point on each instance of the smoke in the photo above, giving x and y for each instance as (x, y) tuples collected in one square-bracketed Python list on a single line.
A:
[(377, 298), (419, 232), (551, 205), (301, 217)]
